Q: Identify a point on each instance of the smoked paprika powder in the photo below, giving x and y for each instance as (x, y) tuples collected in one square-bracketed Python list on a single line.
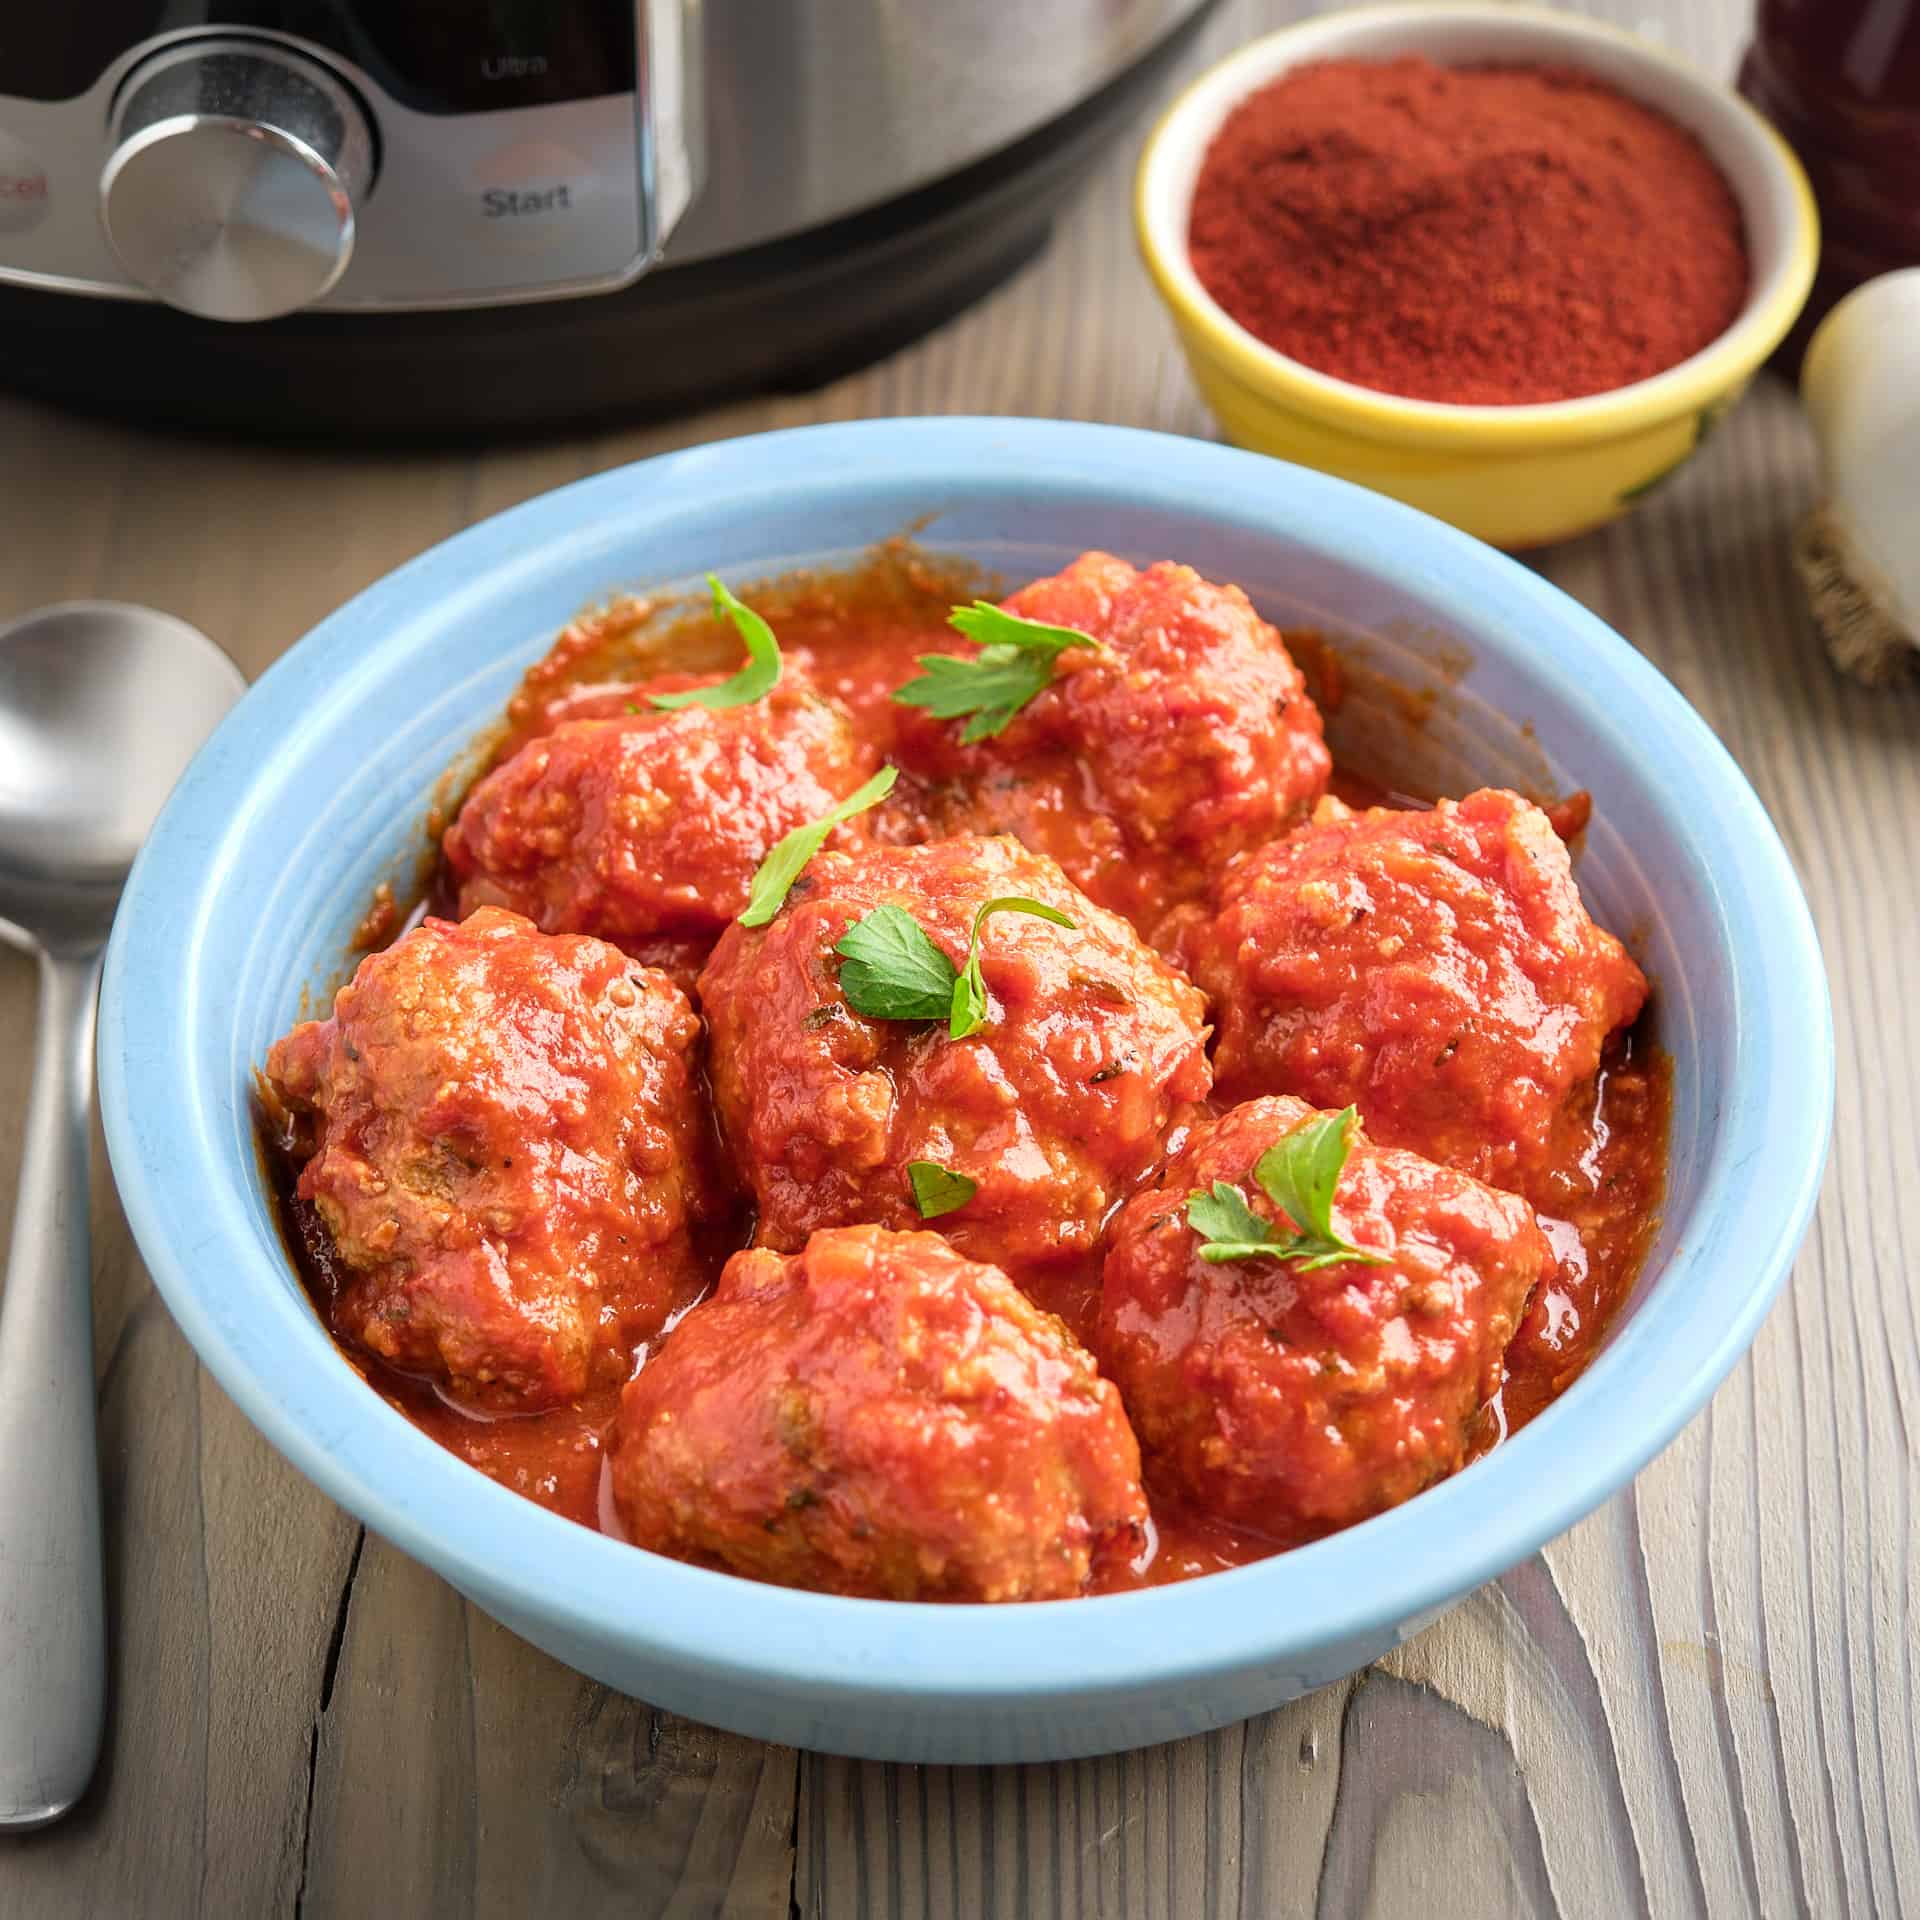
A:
[(1480, 235)]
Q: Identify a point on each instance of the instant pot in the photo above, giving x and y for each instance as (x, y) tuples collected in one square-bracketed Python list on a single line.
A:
[(412, 217)]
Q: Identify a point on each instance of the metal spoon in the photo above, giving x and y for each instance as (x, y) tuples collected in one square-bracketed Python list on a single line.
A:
[(101, 707)]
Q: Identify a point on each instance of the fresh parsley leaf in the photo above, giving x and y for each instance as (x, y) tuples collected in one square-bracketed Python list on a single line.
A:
[(1301, 1172), (1015, 662), (936, 1191), (992, 688), (755, 680), (893, 970), (781, 868), (988, 625), (968, 1013), (1229, 1227), (1299, 1175)]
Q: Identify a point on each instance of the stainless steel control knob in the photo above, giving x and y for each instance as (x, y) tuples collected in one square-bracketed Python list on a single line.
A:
[(235, 171)]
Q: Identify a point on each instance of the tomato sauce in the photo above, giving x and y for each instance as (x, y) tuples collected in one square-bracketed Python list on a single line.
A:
[(859, 634)]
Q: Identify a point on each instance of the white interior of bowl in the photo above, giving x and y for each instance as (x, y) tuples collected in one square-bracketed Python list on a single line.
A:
[(1732, 133)]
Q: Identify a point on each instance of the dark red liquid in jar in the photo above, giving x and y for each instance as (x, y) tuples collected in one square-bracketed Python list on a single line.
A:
[(1841, 80)]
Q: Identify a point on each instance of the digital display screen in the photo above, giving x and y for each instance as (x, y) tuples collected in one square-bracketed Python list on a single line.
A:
[(436, 56), (470, 56)]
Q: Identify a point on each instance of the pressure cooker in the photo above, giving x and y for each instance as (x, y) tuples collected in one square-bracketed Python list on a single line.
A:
[(407, 217)]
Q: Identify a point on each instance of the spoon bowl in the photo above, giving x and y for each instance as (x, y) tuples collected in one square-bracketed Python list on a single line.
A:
[(101, 708)]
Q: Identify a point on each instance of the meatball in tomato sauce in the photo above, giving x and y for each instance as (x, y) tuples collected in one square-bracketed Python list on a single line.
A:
[(1091, 1048), (644, 826), (1183, 737), (1435, 967), (878, 1415), (1291, 1398), (502, 1133)]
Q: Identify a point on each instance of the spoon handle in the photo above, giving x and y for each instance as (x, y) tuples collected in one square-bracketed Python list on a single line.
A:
[(53, 1653)]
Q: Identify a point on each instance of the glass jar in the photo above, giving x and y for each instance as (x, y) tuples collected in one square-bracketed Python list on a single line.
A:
[(1841, 80)]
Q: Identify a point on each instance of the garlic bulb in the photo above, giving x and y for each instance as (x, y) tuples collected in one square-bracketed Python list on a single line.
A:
[(1859, 551)]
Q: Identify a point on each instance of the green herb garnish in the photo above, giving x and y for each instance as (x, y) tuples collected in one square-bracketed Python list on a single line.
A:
[(755, 680), (781, 868), (936, 1190), (1229, 1227), (893, 970), (969, 1011), (1015, 662), (1298, 1174)]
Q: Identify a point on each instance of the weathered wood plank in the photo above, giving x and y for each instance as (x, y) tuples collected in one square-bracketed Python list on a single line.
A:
[(638, 1810), (529, 1789)]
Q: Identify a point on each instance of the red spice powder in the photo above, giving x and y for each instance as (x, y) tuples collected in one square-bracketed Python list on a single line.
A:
[(1485, 235)]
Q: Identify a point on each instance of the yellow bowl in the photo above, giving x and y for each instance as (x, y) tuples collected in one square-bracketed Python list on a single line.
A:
[(1517, 476)]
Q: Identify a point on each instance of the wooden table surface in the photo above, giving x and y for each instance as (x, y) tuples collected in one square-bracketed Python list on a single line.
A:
[(1701, 1700)]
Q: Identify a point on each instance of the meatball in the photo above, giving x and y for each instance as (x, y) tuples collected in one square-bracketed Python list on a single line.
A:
[(1183, 739), (506, 1145), (1092, 1048), (644, 827), (1434, 967), (878, 1415), (1296, 1400)]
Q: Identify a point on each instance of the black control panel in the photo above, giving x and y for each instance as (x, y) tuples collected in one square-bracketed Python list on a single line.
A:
[(53, 53), (435, 56)]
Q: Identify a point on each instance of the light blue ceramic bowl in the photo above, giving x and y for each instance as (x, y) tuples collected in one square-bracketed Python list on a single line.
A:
[(315, 787)]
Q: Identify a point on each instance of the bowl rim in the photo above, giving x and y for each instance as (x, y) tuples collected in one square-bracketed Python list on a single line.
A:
[(1690, 386), (546, 1575)]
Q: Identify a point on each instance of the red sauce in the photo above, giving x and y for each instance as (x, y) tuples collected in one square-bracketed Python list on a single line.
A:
[(859, 634)]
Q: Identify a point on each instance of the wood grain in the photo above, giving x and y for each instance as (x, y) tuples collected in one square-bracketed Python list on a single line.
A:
[(1700, 1701)]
